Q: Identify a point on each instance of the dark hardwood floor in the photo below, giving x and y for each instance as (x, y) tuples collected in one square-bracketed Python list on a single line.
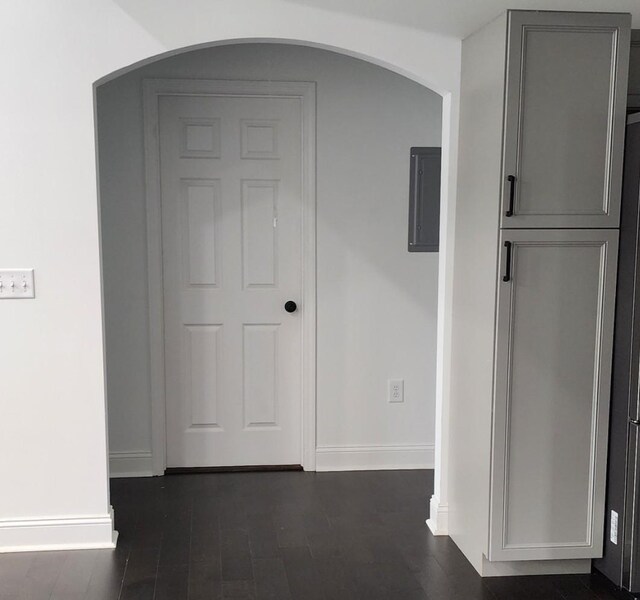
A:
[(280, 536)]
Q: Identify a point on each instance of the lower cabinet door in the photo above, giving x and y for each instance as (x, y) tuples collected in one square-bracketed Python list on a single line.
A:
[(556, 297)]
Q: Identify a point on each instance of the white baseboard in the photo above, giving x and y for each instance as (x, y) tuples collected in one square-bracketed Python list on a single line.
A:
[(372, 458), (438, 521), (64, 533), (130, 464)]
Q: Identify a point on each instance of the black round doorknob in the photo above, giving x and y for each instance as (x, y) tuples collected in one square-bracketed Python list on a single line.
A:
[(290, 306)]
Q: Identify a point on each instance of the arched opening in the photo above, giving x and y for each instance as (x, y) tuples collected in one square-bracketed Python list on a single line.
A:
[(424, 80), (130, 379)]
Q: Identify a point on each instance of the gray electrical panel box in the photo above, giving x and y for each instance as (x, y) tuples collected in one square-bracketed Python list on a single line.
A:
[(424, 200)]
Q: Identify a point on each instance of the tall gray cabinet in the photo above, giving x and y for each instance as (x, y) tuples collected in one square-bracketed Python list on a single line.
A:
[(541, 145)]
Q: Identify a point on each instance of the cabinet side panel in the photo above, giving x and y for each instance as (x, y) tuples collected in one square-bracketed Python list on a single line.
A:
[(477, 218)]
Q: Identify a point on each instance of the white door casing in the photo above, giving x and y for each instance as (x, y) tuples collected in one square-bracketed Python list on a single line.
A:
[(221, 145)]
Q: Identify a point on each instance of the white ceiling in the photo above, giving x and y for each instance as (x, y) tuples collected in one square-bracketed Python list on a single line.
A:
[(459, 18)]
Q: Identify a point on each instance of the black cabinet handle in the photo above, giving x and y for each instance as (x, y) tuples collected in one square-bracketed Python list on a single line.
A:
[(507, 272), (512, 192)]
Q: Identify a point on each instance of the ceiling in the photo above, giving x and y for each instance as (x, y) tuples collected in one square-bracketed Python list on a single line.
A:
[(459, 18)]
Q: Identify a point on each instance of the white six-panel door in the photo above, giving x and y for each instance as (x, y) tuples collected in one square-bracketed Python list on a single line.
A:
[(230, 176)]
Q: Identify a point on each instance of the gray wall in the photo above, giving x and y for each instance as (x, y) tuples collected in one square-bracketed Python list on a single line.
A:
[(376, 301)]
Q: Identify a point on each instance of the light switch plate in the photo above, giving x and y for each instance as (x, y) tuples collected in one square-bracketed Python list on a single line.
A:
[(16, 284)]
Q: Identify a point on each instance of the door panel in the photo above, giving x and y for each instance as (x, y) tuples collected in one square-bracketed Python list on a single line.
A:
[(260, 362), (553, 372), (564, 118), (202, 355), (259, 240), (231, 181), (199, 232)]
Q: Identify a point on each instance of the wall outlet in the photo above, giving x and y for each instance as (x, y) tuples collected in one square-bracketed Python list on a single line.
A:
[(613, 528), (396, 390)]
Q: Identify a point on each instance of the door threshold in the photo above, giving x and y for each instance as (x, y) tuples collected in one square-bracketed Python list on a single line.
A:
[(231, 469)]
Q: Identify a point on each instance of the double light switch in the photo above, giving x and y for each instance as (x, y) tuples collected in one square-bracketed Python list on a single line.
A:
[(16, 283)]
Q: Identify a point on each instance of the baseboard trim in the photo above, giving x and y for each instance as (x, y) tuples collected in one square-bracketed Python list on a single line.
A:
[(515, 568), (328, 458), (130, 464), (438, 521), (65, 533), (372, 458)]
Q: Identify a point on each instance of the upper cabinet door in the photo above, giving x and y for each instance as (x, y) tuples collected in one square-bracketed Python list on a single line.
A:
[(564, 119)]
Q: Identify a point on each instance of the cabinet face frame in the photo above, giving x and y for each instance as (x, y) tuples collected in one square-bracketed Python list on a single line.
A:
[(519, 23), (607, 240)]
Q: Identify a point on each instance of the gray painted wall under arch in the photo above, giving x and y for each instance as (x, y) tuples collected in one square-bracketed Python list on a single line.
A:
[(376, 302)]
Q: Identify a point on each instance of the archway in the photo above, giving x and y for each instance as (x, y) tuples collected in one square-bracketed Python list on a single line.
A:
[(449, 121)]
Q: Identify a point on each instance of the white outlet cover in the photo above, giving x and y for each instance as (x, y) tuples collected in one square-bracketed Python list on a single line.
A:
[(613, 529), (395, 391), (16, 284)]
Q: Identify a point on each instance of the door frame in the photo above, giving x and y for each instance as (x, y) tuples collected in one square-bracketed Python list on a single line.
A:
[(305, 91)]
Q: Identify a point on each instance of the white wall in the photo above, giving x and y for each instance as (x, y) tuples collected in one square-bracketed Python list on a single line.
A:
[(53, 457), (377, 303)]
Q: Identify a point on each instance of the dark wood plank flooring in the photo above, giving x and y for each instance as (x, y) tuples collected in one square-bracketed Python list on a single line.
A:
[(279, 536)]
